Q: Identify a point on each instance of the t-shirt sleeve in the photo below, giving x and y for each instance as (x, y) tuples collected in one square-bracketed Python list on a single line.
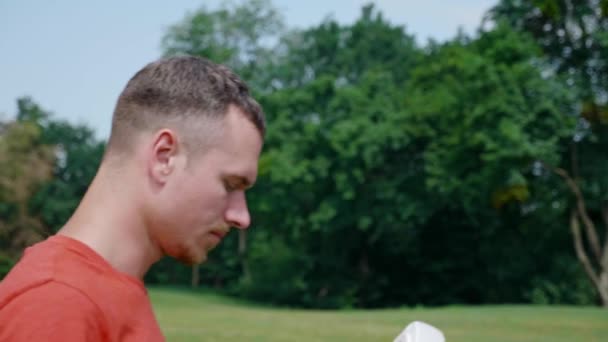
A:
[(51, 312)]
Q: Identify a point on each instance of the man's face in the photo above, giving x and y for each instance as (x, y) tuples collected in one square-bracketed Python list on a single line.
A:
[(204, 195)]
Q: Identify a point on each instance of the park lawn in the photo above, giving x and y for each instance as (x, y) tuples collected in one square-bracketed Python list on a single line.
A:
[(192, 316)]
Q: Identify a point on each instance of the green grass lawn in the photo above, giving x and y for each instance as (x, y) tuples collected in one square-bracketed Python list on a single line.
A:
[(189, 316)]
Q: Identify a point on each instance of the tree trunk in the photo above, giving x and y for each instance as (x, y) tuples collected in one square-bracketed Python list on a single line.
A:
[(594, 261), (195, 275), (603, 288), (599, 277), (242, 252), (604, 261)]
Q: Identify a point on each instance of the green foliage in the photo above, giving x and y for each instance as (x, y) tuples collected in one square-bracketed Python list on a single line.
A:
[(233, 35), (45, 168), (573, 40), (571, 36), (25, 164), (558, 287), (347, 52), (486, 119), (77, 155), (6, 263), (273, 259)]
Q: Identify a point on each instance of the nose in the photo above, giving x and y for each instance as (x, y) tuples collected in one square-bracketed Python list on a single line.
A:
[(237, 213)]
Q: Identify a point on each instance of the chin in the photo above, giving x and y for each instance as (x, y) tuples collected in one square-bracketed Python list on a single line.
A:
[(191, 257), (191, 261), (199, 260)]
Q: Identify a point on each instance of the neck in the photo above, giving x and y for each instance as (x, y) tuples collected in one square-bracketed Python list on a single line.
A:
[(109, 221)]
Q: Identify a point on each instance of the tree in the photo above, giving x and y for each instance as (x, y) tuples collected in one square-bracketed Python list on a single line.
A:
[(333, 129), (489, 115), (25, 163), (76, 155), (573, 38), (237, 35), (46, 167)]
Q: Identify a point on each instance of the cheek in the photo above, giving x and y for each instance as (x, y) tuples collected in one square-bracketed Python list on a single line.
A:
[(194, 199), (200, 205), (207, 196)]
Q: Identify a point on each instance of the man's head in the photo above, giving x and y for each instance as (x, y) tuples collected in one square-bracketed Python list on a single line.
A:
[(185, 93), (189, 134)]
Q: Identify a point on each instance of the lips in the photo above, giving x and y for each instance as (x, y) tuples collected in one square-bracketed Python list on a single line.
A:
[(219, 234)]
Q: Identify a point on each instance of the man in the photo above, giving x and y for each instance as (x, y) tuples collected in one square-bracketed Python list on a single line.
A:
[(185, 142)]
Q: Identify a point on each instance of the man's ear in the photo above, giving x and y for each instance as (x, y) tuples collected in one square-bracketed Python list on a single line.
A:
[(163, 154)]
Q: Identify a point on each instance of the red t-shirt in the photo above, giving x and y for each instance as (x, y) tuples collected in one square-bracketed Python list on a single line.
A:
[(62, 290)]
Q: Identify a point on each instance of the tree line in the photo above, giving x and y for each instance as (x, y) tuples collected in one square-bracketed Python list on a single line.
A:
[(394, 172)]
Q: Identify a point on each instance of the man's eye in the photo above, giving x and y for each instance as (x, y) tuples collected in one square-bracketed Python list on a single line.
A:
[(229, 186)]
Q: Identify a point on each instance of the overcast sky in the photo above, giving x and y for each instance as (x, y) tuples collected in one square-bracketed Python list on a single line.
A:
[(74, 57)]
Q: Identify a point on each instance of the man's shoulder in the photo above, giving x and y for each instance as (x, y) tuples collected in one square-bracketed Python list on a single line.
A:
[(51, 310), (66, 282), (40, 266), (52, 265), (31, 271), (53, 294)]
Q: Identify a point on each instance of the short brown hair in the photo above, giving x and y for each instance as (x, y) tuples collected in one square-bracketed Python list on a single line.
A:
[(179, 87)]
